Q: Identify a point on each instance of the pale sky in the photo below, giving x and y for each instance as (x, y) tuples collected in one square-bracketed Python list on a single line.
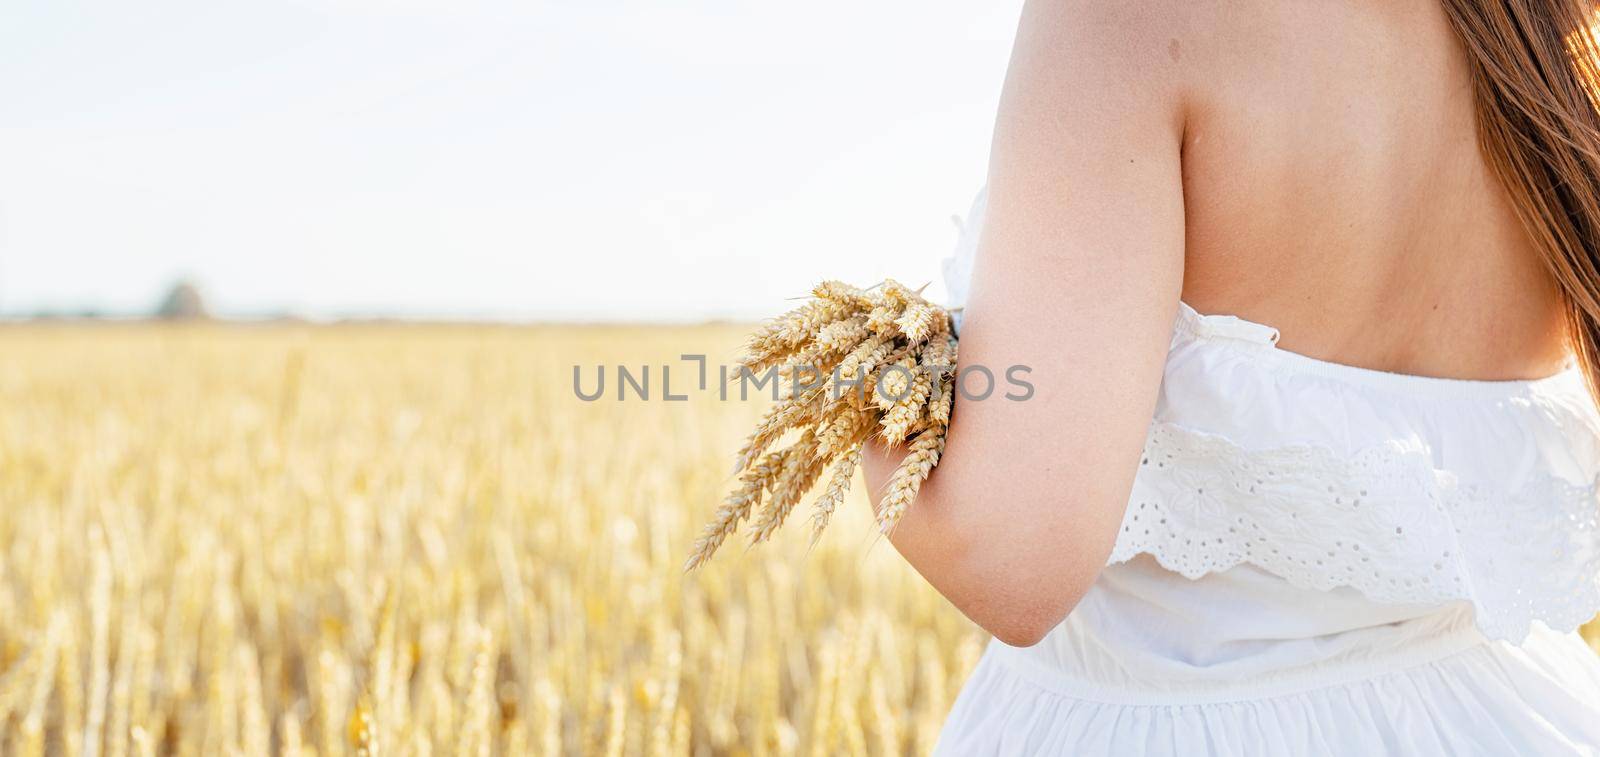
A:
[(570, 159)]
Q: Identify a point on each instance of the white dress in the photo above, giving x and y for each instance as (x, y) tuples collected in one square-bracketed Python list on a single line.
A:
[(1322, 559)]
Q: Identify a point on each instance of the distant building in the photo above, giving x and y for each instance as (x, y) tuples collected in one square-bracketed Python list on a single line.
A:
[(182, 303)]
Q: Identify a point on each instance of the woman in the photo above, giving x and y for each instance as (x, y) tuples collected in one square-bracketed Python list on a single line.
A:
[(1358, 514)]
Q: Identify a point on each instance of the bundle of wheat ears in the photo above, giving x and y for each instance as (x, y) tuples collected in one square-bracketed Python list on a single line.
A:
[(861, 362)]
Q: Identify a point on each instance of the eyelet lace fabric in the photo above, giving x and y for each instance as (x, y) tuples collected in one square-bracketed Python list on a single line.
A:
[(1383, 521)]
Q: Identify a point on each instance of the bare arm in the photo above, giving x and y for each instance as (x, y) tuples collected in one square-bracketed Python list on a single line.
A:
[(1078, 277)]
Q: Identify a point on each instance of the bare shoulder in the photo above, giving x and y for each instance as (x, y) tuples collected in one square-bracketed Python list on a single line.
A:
[(1110, 24), (1141, 43), (1086, 73)]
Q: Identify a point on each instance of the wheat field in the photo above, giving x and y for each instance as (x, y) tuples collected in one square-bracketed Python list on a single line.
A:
[(388, 539)]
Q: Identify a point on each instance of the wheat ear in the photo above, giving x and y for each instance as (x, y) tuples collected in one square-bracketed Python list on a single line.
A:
[(901, 416), (736, 507), (801, 469), (921, 456), (783, 416), (838, 485)]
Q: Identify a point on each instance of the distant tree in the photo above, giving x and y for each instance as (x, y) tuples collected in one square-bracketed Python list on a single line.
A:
[(183, 302)]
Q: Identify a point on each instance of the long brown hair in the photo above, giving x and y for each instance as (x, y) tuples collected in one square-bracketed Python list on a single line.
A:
[(1536, 86)]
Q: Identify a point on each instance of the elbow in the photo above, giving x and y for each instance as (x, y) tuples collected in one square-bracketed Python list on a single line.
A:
[(1020, 635), (1023, 621), (1022, 631), (1018, 596), (1017, 584)]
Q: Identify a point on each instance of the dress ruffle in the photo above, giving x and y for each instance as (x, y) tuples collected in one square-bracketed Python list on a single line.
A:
[(1382, 521), (1409, 489)]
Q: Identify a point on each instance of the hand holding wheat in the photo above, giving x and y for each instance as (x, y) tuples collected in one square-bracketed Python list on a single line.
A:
[(877, 361)]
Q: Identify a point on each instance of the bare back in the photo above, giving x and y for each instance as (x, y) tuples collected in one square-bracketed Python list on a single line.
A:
[(1334, 188)]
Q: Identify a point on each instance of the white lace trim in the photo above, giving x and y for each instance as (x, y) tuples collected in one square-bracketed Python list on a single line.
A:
[(1384, 522)]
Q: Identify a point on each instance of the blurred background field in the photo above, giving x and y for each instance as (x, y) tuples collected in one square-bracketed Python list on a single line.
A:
[(414, 539)]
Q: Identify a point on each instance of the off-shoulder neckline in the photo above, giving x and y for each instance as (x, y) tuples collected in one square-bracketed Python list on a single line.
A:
[(1264, 339)]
